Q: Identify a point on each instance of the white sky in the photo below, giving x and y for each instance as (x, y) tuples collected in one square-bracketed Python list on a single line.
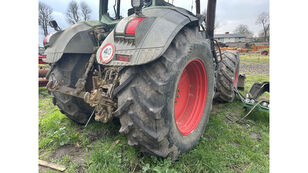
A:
[(229, 13)]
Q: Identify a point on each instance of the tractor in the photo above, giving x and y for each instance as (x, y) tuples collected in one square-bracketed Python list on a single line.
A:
[(157, 71)]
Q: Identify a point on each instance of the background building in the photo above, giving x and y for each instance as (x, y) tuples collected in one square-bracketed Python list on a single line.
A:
[(230, 38)]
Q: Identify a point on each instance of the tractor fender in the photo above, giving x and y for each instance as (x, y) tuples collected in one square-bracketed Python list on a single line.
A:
[(75, 39), (153, 35)]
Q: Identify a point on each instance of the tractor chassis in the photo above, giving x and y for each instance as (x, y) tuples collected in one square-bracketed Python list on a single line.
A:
[(102, 91)]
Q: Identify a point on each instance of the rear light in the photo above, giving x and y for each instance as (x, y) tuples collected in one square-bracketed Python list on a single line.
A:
[(132, 25), (123, 58), (47, 39)]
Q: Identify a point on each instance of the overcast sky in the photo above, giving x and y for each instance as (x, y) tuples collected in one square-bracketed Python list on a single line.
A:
[(229, 13)]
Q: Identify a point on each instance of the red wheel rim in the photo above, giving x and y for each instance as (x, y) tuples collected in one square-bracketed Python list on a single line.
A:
[(190, 97), (235, 77)]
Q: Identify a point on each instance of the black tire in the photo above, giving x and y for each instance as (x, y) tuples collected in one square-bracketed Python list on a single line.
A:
[(228, 72), (68, 70), (146, 98)]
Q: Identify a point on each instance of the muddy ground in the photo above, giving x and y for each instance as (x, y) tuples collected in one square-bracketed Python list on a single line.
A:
[(254, 68)]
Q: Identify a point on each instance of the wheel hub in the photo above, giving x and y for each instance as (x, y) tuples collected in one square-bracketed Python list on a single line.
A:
[(190, 97)]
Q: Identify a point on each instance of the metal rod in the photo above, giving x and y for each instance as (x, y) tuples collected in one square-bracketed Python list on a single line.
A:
[(210, 18), (90, 118), (210, 26), (239, 94), (103, 8), (250, 111), (118, 9), (197, 6)]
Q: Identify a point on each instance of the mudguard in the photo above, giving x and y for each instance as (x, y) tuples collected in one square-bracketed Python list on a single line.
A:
[(75, 39), (152, 37)]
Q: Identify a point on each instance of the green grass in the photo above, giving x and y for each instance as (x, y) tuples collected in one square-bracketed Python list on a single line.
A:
[(250, 59), (254, 58), (226, 146), (251, 79), (44, 66)]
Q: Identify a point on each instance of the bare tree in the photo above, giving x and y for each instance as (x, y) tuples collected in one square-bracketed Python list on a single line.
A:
[(265, 36), (243, 29), (263, 19), (44, 16), (85, 11), (72, 12)]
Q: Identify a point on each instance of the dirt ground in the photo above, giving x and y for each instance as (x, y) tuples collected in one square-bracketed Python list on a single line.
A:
[(77, 155), (254, 68)]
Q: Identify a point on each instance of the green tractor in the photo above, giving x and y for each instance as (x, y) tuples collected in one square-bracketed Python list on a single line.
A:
[(157, 71)]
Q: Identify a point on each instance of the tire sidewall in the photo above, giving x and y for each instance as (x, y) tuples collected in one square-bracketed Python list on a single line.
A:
[(186, 142), (67, 71), (235, 65)]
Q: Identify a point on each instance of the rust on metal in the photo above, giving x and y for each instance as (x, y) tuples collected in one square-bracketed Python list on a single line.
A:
[(101, 95), (52, 85), (219, 49)]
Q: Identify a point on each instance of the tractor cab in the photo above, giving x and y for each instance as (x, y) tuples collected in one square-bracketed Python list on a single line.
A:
[(113, 12)]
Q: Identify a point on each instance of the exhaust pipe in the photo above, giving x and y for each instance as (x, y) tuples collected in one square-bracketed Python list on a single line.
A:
[(210, 26), (210, 19), (197, 6)]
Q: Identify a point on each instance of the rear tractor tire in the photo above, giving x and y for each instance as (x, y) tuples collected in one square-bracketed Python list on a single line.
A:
[(68, 70), (164, 105), (228, 74)]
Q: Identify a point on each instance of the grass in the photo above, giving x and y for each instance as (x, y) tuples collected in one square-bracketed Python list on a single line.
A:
[(251, 79), (249, 59), (226, 146)]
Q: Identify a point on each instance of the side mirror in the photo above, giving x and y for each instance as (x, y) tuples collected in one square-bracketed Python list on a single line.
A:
[(130, 11), (54, 25)]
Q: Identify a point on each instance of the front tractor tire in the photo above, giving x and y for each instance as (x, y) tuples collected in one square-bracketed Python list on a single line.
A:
[(164, 105), (227, 76), (67, 71)]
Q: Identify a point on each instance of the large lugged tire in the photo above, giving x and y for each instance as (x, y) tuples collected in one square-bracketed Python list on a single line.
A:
[(68, 70), (228, 72), (164, 106)]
